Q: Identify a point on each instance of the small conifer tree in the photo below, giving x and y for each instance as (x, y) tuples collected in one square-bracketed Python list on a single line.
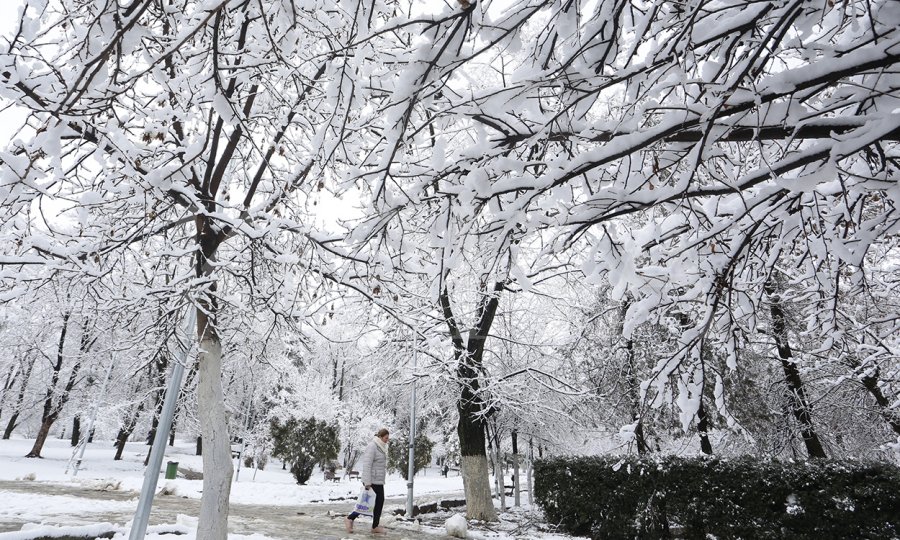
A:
[(398, 458), (303, 443)]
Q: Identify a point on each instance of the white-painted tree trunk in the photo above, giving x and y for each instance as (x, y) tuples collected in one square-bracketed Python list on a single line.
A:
[(517, 501), (530, 465), (498, 477), (477, 485), (217, 466)]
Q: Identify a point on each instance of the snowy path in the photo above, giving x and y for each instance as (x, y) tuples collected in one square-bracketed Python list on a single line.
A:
[(307, 521)]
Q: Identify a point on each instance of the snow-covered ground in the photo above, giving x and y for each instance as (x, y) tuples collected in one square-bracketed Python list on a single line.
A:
[(272, 486)]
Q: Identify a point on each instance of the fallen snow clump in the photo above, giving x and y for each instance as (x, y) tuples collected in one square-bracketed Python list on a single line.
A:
[(457, 526)]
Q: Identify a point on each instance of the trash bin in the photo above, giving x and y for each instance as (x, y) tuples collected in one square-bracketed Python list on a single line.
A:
[(171, 470)]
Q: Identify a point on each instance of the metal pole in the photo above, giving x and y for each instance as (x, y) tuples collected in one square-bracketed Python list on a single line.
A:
[(151, 473), (240, 458), (412, 442)]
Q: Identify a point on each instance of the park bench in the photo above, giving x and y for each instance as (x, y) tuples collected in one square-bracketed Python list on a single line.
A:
[(329, 475), (353, 475)]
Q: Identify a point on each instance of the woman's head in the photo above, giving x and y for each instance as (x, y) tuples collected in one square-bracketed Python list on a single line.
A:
[(383, 434)]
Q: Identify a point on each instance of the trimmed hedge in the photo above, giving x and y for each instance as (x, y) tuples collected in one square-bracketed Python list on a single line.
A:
[(669, 497)]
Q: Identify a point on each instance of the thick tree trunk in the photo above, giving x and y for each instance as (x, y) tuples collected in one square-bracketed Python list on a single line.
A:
[(474, 466), (800, 407), (217, 466), (471, 408), (41, 438)]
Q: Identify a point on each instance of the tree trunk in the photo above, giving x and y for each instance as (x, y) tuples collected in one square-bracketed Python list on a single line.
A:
[(528, 476), (76, 430), (634, 389), (703, 429), (515, 451), (702, 416), (870, 382), (11, 425), (474, 468), (799, 404), (470, 405), (499, 482), (43, 431), (7, 386), (158, 379), (126, 430), (51, 409), (20, 399), (217, 466)]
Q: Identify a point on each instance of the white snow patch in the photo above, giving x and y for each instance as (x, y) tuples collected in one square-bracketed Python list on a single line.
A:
[(457, 526)]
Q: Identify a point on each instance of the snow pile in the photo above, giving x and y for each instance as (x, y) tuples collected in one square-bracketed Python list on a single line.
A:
[(31, 531), (457, 526), (104, 484)]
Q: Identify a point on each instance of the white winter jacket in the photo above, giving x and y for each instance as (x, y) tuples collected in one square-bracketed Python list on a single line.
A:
[(373, 465)]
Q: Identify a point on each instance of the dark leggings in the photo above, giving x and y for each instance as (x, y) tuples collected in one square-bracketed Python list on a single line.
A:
[(379, 503)]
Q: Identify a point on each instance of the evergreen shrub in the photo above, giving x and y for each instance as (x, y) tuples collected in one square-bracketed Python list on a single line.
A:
[(699, 498), (398, 460), (304, 443)]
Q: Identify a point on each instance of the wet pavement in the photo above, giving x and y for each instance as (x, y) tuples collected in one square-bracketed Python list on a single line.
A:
[(324, 521)]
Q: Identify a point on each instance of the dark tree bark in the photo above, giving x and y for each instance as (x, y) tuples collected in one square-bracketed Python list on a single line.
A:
[(51, 407), (126, 430), (76, 430), (7, 386), (703, 429), (473, 412), (20, 399), (633, 386), (870, 382), (703, 422), (800, 407), (158, 377)]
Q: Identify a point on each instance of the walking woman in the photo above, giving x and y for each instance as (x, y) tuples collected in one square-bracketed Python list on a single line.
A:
[(373, 467)]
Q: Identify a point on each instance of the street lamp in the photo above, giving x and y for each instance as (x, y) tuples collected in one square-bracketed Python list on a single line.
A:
[(412, 441), (151, 473)]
